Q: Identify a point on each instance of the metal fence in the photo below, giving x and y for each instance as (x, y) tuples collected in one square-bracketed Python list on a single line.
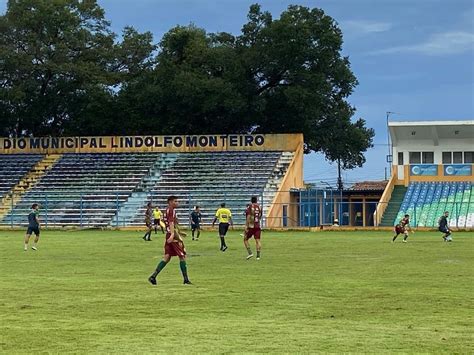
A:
[(115, 209), (364, 214)]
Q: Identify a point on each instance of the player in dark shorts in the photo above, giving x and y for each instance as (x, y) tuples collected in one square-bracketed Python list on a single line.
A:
[(174, 245), (443, 227), (402, 228), (224, 216), (253, 216), (195, 218), (148, 221), (33, 227), (157, 216)]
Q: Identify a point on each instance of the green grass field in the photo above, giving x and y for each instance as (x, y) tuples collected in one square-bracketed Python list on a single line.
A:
[(87, 291)]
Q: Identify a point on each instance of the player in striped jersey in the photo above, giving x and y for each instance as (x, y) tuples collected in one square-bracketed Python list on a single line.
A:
[(402, 228), (174, 245), (253, 216)]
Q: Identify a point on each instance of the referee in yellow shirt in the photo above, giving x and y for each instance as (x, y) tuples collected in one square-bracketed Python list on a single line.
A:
[(224, 216), (157, 215)]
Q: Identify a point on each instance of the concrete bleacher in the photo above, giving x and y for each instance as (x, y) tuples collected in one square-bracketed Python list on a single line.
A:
[(13, 167), (425, 202), (112, 189), (84, 189), (208, 179)]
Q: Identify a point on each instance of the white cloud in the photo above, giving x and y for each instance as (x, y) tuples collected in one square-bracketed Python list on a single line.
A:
[(364, 27), (454, 42)]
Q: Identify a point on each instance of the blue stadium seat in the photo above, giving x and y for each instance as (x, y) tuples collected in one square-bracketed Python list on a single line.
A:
[(207, 179), (92, 190), (13, 167), (425, 202)]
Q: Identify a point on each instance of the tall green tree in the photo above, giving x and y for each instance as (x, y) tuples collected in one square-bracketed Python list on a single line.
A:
[(58, 57), (300, 82), (278, 75), (63, 71), (193, 88), (345, 143), (299, 79), (101, 111)]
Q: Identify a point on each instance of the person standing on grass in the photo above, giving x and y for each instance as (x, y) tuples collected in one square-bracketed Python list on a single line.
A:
[(174, 245), (157, 215), (443, 227), (33, 227), (253, 216), (196, 219), (148, 222), (402, 228), (224, 216)]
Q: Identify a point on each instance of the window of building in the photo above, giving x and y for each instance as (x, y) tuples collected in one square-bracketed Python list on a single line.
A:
[(468, 157), (415, 157), (427, 157), (400, 158), (447, 158), (457, 157)]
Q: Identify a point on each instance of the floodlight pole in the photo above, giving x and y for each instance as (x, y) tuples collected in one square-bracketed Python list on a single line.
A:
[(389, 142)]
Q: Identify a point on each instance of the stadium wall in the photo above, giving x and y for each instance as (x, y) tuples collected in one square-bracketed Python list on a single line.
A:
[(158, 144), (293, 179), (384, 199)]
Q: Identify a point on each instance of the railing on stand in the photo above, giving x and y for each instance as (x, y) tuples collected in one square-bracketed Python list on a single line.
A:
[(302, 209)]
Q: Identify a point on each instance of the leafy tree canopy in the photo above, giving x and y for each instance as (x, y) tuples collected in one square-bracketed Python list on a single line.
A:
[(63, 71)]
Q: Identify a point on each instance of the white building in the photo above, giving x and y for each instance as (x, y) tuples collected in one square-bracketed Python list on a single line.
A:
[(440, 143)]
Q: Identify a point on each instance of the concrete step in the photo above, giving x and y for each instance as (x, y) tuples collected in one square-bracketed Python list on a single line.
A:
[(27, 182)]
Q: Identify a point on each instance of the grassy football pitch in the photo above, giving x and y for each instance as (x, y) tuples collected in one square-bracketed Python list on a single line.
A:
[(87, 291)]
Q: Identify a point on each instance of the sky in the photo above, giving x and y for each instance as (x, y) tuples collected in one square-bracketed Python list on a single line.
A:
[(411, 57)]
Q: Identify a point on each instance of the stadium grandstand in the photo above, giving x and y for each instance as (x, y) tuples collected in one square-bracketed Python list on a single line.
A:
[(431, 173), (107, 181), (100, 182)]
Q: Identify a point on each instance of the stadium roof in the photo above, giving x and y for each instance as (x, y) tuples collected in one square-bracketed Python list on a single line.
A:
[(431, 123), (431, 130), (369, 186)]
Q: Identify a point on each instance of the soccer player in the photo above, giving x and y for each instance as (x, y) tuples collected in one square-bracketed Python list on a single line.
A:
[(224, 216), (402, 228), (245, 215), (149, 225), (443, 227), (252, 227), (174, 245), (33, 227), (196, 219), (157, 219)]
